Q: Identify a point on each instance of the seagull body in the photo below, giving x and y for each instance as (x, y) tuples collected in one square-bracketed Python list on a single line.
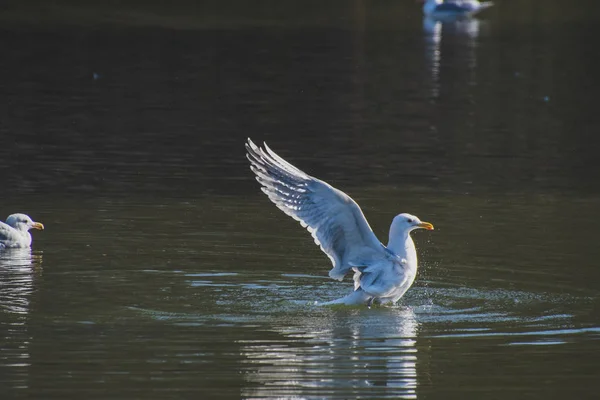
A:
[(382, 274), (15, 232), (454, 8)]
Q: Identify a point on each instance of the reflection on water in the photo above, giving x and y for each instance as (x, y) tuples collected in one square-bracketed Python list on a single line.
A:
[(295, 350), (461, 34), (359, 353), (18, 269)]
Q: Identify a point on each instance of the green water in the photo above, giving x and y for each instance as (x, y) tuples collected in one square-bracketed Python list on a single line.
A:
[(164, 272)]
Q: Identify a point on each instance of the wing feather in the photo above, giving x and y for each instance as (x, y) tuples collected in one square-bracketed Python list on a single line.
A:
[(8, 234), (335, 221)]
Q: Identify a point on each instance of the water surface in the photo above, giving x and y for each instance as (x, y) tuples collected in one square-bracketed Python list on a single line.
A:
[(164, 272)]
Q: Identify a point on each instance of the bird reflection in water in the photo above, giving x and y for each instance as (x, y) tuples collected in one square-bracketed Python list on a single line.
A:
[(341, 352), (461, 35), (18, 269)]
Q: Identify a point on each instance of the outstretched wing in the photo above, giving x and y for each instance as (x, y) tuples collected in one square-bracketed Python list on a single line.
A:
[(335, 221)]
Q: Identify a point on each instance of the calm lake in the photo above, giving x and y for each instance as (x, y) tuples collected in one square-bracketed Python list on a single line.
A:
[(165, 273)]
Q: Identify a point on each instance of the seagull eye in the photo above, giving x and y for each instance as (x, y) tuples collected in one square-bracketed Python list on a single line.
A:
[(410, 221)]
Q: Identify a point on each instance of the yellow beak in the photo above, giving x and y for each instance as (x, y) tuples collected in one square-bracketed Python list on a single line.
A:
[(38, 225), (426, 225)]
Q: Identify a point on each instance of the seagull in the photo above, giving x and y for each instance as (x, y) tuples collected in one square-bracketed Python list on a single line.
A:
[(382, 274), (15, 232), (454, 8)]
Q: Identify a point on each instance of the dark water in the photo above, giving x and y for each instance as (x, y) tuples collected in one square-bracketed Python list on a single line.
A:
[(163, 271)]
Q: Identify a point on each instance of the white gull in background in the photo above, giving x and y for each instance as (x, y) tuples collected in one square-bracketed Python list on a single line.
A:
[(454, 8), (382, 274), (15, 232)]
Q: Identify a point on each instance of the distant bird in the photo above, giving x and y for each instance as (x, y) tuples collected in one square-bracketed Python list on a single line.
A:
[(15, 232), (382, 274), (454, 8)]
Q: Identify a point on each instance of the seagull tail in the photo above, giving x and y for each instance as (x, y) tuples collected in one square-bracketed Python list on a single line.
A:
[(337, 273), (356, 298)]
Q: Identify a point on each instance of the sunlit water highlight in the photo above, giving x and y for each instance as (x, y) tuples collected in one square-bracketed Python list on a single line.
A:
[(310, 351)]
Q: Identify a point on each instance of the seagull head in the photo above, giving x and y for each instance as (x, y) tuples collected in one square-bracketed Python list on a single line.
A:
[(407, 222), (23, 222)]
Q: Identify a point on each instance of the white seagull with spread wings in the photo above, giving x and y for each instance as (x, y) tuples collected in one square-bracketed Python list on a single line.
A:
[(382, 274), (15, 232)]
